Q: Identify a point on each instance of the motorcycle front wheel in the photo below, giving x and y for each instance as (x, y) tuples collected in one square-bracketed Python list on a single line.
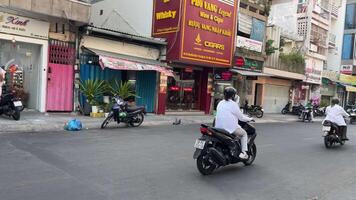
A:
[(204, 166), (252, 155), (137, 120), (284, 111), (107, 120)]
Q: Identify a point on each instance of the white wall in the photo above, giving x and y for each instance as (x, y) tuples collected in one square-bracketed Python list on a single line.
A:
[(337, 28), (129, 16), (284, 14)]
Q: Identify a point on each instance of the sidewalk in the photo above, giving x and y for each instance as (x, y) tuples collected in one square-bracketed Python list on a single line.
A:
[(52, 122)]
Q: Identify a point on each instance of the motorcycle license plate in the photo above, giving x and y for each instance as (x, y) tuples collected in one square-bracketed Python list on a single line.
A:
[(17, 103), (326, 128), (199, 144)]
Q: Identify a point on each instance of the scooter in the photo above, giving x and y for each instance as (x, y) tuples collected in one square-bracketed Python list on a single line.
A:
[(11, 106), (331, 134), (352, 113), (212, 151), (296, 110), (307, 115)]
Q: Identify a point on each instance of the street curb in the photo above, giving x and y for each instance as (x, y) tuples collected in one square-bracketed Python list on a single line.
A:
[(42, 128)]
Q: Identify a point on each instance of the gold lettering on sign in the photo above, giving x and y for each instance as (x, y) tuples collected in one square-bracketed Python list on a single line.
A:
[(166, 14)]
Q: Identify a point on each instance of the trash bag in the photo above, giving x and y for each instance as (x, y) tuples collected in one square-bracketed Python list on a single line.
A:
[(73, 125)]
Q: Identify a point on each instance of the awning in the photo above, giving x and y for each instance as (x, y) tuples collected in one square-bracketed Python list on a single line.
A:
[(350, 88), (248, 73), (121, 64)]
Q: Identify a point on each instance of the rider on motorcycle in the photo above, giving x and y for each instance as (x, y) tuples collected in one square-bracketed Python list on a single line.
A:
[(227, 118), (336, 114)]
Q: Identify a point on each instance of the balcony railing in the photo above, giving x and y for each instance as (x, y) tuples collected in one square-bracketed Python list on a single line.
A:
[(334, 11)]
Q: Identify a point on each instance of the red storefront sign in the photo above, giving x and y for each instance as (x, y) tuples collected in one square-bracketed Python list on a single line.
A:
[(165, 17), (207, 30)]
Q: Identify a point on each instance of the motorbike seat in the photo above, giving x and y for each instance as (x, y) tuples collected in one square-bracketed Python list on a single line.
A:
[(134, 108), (223, 131)]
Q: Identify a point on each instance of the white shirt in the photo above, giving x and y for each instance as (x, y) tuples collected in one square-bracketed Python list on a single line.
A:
[(336, 115), (228, 115)]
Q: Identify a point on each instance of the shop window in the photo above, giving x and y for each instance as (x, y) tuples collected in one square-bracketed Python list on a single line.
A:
[(348, 47)]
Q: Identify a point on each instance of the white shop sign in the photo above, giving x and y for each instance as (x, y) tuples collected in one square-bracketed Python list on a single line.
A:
[(17, 25), (249, 44)]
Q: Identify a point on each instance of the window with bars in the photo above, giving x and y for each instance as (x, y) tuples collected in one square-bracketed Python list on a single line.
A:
[(302, 26), (61, 52)]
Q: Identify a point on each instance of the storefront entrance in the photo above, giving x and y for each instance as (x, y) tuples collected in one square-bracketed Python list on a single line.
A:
[(183, 90), (27, 78)]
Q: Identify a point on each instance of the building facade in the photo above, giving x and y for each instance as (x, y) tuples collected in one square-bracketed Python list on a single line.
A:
[(315, 26), (348, 67), (38, 45), (116, 46)]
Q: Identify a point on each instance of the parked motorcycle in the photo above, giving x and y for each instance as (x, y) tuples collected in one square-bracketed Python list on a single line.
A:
[(307, 115), (121, 112), (352, 113), (255, 111), (331, 134), (11, 106), (296, 110), (212, 151), (319, 111)]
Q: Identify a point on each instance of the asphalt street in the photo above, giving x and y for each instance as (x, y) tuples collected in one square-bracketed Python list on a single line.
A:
[(150, 163)]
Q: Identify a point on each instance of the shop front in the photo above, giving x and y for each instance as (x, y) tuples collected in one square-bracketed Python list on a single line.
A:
[(329, 87), (24, 53), (248, 81), (313, 76), (117, 61), (200, 41), (347, 87)]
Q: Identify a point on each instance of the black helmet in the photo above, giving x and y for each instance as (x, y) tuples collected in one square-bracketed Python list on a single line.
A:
[(335, 101), (229, 93)]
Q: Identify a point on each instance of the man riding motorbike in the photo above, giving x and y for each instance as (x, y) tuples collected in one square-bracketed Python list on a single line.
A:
[(336, 114), (227, 118)]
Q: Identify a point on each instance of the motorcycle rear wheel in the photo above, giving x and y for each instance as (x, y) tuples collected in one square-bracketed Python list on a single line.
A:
[(252, 155), (259, 113), (137, 120), (203, 167), (16, 116), (328, 143)]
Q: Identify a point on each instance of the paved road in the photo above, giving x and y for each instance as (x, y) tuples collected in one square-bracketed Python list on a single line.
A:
[(156, 163)]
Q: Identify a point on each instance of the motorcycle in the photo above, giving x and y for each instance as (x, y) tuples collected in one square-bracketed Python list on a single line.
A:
[(318, 111), (331, 134), (296, 110), (352, 113), (11, 106), (255, 111), (307, 115), (121, 112), (212, 151)]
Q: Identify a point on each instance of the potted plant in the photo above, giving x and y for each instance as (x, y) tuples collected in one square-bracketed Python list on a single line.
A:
[(92, 90), (121, 89)]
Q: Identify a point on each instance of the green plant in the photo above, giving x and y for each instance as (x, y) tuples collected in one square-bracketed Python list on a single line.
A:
[(121, 89), (269, 47), (294, 60), (92, 90)]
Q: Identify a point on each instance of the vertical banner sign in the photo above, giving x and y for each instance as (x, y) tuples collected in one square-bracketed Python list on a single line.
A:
[(208, 32), (165, 16)]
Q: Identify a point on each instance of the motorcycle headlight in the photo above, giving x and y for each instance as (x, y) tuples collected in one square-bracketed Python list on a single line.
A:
[(263, 110)]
